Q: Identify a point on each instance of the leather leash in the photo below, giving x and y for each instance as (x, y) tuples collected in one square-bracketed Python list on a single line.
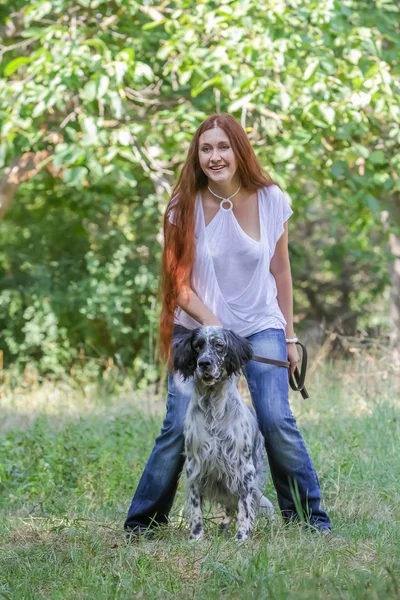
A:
[(296, 380)]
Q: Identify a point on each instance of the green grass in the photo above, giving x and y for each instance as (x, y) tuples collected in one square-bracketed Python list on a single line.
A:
[(70, 460)]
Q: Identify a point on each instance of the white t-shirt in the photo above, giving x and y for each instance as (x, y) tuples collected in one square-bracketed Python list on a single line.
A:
[(231, 271)]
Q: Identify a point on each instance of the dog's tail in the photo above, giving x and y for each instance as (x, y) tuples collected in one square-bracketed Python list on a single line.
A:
[(260, 462), (263, 506)]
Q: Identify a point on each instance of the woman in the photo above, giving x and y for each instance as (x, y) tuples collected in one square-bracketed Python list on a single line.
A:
[(226, 263)]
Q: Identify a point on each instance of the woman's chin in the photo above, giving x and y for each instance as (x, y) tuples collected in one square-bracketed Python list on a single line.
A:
[(219, 177)]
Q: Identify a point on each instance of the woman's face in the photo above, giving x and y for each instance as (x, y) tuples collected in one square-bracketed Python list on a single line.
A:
[(216, 156)]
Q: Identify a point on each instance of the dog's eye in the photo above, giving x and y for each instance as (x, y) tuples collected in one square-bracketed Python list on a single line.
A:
[(219, 345), (198, 345)]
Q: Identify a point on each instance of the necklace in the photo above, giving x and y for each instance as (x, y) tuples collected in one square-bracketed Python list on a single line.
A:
[(225, 199)]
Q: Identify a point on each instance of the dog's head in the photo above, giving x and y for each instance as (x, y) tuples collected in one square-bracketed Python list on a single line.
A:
[(210, 353)]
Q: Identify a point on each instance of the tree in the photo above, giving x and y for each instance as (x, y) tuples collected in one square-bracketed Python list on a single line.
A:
[(103, 98)]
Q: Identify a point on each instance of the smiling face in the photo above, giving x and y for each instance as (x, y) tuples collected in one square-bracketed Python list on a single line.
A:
[(217, 159)]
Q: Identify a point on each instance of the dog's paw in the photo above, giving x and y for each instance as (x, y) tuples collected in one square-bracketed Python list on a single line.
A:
[(196, 532), (242, 536), (196, 537)]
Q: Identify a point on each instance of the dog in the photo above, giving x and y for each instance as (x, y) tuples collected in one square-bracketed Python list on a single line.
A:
[(224, 447)]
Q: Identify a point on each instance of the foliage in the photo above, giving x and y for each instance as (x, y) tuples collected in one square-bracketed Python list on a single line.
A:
[(113, 91)]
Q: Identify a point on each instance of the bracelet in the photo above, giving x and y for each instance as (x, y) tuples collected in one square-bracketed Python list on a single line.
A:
[(291, 340)]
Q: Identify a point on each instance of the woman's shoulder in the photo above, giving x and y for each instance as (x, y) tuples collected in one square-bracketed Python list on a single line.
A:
[(173, 207), (276, 205), (272, 196), (272, 191)]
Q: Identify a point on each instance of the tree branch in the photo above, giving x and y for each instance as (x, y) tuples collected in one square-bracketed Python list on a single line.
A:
[(21, 169)]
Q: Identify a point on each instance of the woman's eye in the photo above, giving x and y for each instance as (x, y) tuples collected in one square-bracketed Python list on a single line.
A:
[(222, 148)]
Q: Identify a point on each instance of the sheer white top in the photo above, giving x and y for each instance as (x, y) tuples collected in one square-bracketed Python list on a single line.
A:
[(231, 271)]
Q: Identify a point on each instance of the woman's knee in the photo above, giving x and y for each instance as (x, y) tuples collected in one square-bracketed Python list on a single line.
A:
[(173, 425), (177, 405), (279, 424)]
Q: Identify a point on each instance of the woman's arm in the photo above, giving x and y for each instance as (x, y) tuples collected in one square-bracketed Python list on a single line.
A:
[(280, 269), (187, 300), (194, 307)]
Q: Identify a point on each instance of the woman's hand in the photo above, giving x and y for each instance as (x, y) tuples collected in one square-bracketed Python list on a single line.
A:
[(293, 356)]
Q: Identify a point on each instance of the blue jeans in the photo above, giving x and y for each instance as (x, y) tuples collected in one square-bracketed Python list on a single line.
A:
[(290, 464)]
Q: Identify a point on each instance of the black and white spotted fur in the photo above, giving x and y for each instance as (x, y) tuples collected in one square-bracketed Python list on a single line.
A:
[(224, 447)]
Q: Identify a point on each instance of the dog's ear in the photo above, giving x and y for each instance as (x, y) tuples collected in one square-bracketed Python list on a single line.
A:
[(183, 356), (239, 352)]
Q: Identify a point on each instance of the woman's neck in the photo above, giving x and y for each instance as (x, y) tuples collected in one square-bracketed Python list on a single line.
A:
[(224, 190)]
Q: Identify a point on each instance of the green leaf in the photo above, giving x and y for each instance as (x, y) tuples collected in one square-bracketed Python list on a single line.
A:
[(143, 70), (240, 103), (124, 137), (185, 77), (97, 43), (377, 157), (32, 32), (214, 81), (89, 91), (310, 70), (361, 150), (283, 153), (120, 70), (128, 155), (354, 56), (338, 169), (372, 203), (14, 65), (39, 109), (90, 129), (126, 55), (149, 26), (116, 105), (328, 113), (74, 176), (102, 86)]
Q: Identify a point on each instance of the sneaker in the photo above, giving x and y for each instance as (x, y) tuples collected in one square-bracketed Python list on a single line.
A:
[(323, 531), (327, 533), (136, 532)]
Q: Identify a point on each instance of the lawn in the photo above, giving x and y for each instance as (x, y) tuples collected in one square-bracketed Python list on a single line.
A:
[(71, 456)]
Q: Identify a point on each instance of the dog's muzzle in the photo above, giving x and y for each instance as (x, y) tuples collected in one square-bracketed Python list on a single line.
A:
[(207, 371)]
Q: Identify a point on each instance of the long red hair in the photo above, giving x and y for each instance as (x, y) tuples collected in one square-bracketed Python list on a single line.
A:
[(179, 244)]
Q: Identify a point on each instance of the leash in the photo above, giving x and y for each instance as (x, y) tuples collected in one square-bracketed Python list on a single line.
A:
[(297, 379)]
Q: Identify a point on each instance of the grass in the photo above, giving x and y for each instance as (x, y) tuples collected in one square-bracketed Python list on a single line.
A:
[(70, 459)]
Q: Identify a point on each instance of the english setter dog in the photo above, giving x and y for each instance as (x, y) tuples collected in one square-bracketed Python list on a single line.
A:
[(224, 447)]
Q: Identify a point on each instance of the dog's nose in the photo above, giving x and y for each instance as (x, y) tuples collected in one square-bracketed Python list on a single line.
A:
[(204, 363)]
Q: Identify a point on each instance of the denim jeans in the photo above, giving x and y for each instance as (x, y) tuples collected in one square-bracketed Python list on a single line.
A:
[(290, 464)]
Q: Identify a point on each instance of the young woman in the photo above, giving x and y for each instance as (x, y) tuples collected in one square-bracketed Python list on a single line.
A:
[(226, 263)]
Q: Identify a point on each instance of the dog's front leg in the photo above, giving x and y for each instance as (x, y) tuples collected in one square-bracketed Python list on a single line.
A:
[(195, 512), (246, 513)]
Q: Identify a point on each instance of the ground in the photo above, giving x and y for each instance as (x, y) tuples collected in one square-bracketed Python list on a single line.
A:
[(71, 456)]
